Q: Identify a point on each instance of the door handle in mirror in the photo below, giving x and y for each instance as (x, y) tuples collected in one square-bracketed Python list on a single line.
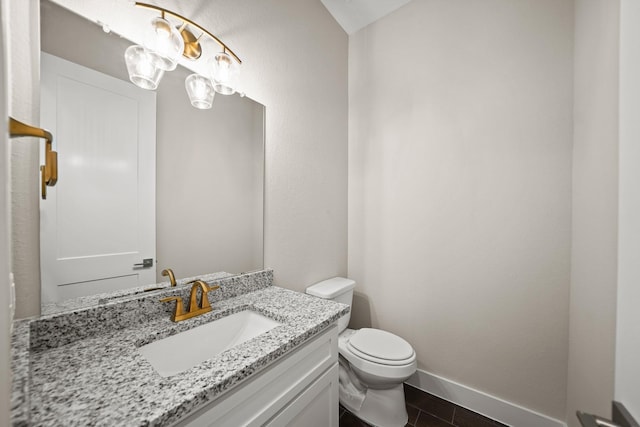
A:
[(146, 263)]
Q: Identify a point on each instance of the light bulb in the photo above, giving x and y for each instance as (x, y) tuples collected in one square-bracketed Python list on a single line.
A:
[(142, 67), (224, 65), (200, 91), (224, 73), (165, 40)]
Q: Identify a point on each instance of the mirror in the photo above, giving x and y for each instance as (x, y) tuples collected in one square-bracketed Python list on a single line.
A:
[(209, 168)]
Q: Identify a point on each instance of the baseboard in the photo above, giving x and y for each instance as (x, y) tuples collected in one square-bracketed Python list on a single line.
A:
[(482, 403)]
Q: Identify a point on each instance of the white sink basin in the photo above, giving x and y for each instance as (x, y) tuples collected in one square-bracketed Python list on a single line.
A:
[(177, 353)]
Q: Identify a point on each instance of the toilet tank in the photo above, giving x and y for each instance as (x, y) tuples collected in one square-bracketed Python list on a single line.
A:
[(338, 289)]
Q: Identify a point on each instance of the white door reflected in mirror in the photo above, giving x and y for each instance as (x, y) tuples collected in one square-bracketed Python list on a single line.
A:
[(99, 221)]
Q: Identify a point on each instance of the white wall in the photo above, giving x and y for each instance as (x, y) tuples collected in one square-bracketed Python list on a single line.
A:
[(24, 78), (5, 254), (628, 315), (296, 65), (595, 201), (460, 189)]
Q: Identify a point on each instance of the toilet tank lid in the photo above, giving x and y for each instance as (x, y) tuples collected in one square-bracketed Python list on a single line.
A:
[(331, 288)]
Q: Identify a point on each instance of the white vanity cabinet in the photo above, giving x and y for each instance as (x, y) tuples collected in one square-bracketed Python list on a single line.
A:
[(300, 389)]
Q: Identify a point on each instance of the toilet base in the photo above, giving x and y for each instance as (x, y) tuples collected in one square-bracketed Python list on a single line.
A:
[(382, 408)]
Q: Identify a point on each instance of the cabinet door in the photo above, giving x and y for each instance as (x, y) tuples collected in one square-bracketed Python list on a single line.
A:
[(317, 406)]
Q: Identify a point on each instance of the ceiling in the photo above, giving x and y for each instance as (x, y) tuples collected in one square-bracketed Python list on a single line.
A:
[(353, 15)]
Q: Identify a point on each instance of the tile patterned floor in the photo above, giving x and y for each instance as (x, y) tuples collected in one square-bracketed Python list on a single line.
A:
[(426, 410)]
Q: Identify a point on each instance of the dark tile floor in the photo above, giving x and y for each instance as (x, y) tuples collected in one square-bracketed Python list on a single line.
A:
[(426, 410)]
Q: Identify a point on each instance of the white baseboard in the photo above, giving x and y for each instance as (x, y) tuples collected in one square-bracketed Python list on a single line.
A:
[(482, 403)]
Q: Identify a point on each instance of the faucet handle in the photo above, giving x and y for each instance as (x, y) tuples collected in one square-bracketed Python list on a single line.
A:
[(172, 277), (204, 286), (179, 306), (204, 302)]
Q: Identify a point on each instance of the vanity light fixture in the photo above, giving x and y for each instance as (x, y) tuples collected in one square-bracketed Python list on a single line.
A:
[(163, 46)]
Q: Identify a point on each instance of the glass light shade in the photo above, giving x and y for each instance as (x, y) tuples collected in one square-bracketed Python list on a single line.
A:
[(165, 40), (142, 66), (224, 73), (200, 91)]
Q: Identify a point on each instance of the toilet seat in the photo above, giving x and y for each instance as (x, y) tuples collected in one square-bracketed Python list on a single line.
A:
[(390, 370), (380, 346)]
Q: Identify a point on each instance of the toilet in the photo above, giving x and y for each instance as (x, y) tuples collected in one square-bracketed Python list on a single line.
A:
[(373, 363)]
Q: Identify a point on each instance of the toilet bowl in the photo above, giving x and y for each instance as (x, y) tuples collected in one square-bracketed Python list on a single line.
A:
[(373, 363), (381, 359)]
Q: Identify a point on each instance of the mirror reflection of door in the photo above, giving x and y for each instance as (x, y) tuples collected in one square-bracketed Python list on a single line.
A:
[(98, 222)]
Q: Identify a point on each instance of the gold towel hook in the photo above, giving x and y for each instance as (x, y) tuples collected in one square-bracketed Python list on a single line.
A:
[(49, 171)]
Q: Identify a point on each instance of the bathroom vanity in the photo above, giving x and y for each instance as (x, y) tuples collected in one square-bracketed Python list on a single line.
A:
[(85, 366)]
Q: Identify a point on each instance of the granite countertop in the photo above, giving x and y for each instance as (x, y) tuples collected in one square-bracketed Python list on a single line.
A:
[(98, 378)]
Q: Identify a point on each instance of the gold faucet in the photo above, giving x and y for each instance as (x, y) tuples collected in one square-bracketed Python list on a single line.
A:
[(194, 310), (172, 277)]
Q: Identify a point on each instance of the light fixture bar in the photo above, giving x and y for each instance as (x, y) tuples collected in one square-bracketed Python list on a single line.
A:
[(190, 22)]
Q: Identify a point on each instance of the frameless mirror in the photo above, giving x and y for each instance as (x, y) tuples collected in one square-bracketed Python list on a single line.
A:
[(206, 169)]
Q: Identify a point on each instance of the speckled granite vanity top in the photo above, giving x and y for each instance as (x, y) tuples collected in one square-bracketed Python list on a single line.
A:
[(82, 367)]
